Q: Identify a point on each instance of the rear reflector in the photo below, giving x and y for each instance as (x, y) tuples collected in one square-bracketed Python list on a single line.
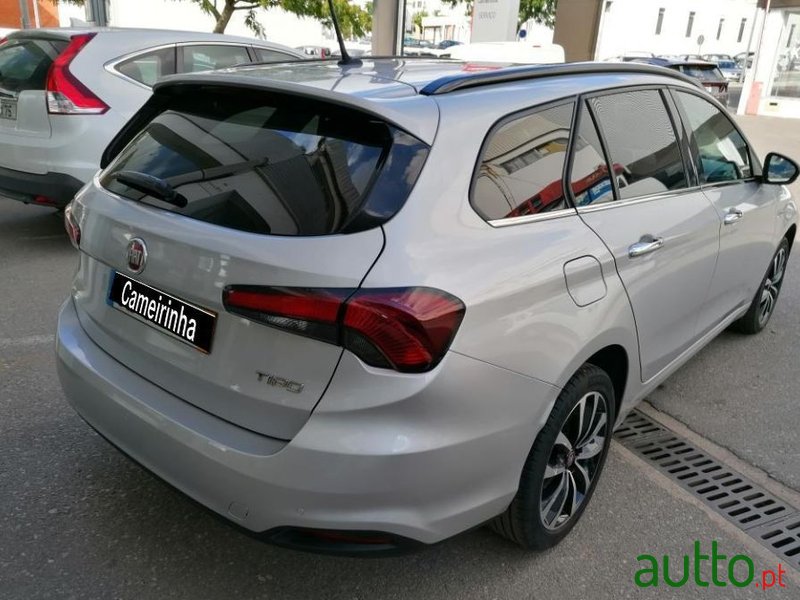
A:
[(44, 200), (66, 95), (405, 329)]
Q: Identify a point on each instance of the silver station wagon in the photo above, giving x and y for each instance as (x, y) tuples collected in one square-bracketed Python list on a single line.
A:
[(363, 308)]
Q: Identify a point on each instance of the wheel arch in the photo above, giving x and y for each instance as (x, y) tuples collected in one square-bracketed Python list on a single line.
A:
[(615, 362), (616, 351), (790, 235)]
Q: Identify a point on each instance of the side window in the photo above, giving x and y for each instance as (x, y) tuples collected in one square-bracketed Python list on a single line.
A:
[(722, 153), (149, 67), (641, 142), (589, 178), (267, 55), (210, 57), (522, 166)]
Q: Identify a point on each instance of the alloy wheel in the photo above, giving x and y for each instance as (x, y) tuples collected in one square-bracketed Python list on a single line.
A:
[(574, 460), (772, 287)]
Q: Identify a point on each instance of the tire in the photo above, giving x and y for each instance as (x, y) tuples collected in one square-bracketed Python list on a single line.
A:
[(763, 304), (554, 467)]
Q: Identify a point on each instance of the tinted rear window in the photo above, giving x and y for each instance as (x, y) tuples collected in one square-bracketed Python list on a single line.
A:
[(273, 164), (709, 73), (24, 63)]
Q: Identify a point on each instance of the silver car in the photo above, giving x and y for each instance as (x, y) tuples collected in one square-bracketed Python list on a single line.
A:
[(363, 308), (64, 93)]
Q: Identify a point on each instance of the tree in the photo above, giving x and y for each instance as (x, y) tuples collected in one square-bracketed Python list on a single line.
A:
[(541, 11), (417, 20), (353, 19)]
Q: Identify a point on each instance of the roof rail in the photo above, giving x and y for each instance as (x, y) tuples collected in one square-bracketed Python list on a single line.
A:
[(452, 83)]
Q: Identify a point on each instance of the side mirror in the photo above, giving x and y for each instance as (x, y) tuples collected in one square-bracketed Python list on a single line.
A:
[(780, 170)]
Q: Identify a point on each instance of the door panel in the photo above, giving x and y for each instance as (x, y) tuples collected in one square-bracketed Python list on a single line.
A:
[(664, 237), (745, 248), (746, 209), (667, 286)]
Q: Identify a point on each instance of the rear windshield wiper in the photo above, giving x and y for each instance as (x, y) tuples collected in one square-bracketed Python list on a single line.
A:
[(218, 172), (152, 186)]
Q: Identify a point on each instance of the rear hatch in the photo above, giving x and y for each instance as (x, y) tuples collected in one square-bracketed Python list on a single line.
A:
[(24, 64), (278, 191), (709, 76)]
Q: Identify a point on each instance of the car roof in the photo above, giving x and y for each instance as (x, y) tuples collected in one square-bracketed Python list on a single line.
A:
[(400, 90), (388, 77), (157, 36)]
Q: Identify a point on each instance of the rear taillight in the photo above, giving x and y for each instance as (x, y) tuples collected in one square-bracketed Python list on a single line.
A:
[(66, 95), (72, 226), (405, 329)]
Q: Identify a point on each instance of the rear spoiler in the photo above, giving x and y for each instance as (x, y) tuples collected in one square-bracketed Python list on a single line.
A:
[(419, 116)]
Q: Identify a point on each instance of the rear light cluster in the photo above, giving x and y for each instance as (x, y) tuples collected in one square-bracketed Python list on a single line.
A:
[(72, 226), (405, 329), (66, 95)]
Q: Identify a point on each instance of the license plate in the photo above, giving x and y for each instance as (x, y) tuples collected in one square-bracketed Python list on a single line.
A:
[(182, 320), (8, 109)]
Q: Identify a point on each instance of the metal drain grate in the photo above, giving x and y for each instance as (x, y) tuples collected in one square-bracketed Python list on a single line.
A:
[(637, 425), (783, 535), (764, 516)]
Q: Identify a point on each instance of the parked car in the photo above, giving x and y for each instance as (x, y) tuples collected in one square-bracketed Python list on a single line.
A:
[(315, 51), (445, 44), (730, 70), (692, 57), (708, 74), (740, 59), (64, 93), (339, 317), (418, 47), (716, 58), (630, 56)]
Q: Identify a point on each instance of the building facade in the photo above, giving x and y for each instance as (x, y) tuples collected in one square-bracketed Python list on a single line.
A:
[(675, 27), (777, 77), (41, 13), (769, 30)]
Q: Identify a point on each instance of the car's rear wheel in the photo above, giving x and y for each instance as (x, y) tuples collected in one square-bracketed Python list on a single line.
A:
[(562, 468), (763, 305)]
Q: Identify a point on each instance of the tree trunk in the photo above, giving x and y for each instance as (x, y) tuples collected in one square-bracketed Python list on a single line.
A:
[(224, 16)]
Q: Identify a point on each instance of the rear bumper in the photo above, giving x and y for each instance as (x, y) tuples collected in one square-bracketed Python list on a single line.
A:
[(391, 467), (59, 188)]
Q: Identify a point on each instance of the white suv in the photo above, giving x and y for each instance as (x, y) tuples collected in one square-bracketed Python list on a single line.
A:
[(64, 93)]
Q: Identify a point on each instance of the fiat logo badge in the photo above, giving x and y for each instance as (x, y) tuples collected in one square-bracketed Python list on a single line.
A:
[(137, 255)]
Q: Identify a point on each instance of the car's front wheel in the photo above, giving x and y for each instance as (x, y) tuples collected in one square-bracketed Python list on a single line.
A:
[(562, 468), (763, 304)]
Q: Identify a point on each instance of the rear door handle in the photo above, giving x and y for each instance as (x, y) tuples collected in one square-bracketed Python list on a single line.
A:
[(644, 246), (732, 216)]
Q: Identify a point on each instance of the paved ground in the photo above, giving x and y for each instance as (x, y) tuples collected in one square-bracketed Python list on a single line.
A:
[(77, 520)]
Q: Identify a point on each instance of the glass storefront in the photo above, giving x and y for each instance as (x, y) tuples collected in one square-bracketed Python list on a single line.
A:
[(786, 69)]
